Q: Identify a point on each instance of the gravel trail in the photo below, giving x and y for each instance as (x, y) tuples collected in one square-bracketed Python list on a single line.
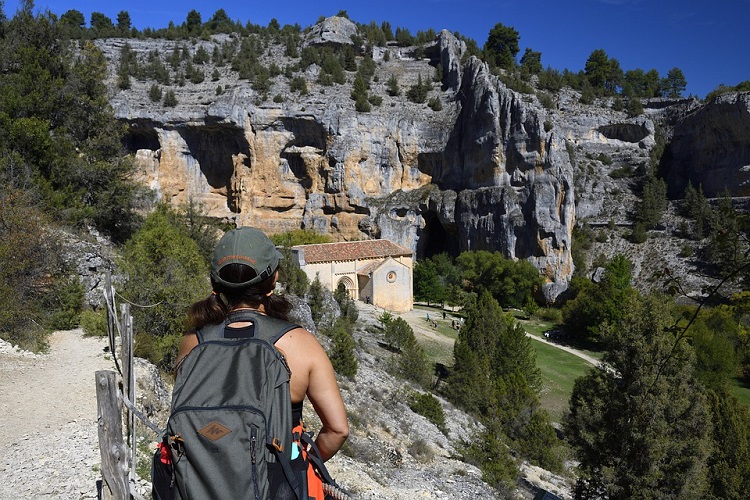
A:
[(48, 423)]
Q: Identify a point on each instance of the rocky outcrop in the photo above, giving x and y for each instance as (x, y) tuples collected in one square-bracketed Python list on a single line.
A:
[(332, 31), (482, 173), (710, 147)]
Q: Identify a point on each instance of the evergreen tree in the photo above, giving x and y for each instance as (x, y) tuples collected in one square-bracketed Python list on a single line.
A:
[(653, 203), (392, 86), (729, 461), (315, 299), (154, 93), (675, 83), (600, 303), (501, 46), (342, 349), (123, 23), (495, 377), (166, 273), (418, 92), (637, 423)]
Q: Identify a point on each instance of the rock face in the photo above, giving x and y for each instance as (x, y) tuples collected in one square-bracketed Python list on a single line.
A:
[(487, 169), (481, 173), (711, 147)]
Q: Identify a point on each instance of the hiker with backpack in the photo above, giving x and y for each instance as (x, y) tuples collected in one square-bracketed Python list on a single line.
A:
[(242, 374)]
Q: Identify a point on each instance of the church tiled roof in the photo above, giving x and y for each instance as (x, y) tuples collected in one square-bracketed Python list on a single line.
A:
[(352, 250)]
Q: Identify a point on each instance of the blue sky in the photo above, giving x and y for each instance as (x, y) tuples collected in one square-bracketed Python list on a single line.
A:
[(708, 41)]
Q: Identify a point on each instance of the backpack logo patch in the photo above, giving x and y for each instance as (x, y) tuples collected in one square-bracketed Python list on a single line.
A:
[(214, 431)]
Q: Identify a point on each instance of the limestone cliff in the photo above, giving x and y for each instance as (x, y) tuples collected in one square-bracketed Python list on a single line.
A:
[(711, 148), (485, 168), (481, 173)]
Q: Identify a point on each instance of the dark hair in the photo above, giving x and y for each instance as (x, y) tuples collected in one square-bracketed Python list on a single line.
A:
[(217, 306)]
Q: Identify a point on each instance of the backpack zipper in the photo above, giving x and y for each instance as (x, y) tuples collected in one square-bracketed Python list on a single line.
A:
[(253, 461)]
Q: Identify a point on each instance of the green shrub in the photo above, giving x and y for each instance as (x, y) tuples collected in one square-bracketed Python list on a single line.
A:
[(94, 323), (639, 233), (550, 314), (546, 100), (605, 159), (429, 407), (435, 104), (686, 251), (361, 105), (375, 100), (66, 304), (170, 100), (298, 84), (622, 172), (154, 93), (418, 92)]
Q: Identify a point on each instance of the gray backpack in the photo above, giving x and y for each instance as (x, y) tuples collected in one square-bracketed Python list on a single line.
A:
[(231, 412)]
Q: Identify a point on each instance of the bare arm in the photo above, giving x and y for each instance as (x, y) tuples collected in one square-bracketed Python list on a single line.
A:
[(323, 392)]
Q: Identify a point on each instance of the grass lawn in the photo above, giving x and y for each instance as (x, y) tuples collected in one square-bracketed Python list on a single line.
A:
[(559, 370), (742, 391)]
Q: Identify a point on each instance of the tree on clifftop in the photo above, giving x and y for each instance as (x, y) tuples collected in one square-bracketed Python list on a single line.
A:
[(501, 46)]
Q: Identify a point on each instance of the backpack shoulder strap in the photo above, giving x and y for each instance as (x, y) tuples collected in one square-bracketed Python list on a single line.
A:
[(266, 328)]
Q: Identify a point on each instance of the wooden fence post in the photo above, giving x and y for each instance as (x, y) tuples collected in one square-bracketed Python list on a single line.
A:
[(128, 378), (114, 453)]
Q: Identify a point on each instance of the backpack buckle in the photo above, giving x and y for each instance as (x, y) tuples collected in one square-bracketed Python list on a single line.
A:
[(178, 444)]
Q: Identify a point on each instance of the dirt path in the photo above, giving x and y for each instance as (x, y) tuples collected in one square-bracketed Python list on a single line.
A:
[(417, 319), (43, 393)]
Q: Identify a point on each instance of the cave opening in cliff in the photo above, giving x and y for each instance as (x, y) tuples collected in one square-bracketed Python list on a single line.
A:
[(435, 239), (139, 136), (214, 148)]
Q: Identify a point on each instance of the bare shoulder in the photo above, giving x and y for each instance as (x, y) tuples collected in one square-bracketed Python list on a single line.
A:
[(300, 339)]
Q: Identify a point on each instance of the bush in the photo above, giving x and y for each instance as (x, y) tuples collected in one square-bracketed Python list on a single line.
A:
[(639, 233), (94, 323), (546, 100), (170, 100), (622, 172), (435, 104), (375, 100), (429, 407), (421, 451), (154, 93), (298, 84), (165, 270), (418, 92), (66, 303), (361, 105), (398, 332), (550, 314)]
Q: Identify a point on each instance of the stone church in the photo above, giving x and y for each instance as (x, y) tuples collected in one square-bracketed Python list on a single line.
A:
[(378, 272)]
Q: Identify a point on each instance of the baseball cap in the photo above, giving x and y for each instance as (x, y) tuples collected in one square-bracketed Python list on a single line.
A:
[(248, 246)]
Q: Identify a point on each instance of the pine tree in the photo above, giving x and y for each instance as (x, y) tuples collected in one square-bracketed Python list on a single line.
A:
[(342, 349), (315, 299), (638, 422)]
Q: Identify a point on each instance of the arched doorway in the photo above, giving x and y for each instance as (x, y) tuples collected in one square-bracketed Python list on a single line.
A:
[(349, 285)]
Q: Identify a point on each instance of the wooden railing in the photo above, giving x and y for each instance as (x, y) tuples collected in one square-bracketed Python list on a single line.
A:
[(118, 454)]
